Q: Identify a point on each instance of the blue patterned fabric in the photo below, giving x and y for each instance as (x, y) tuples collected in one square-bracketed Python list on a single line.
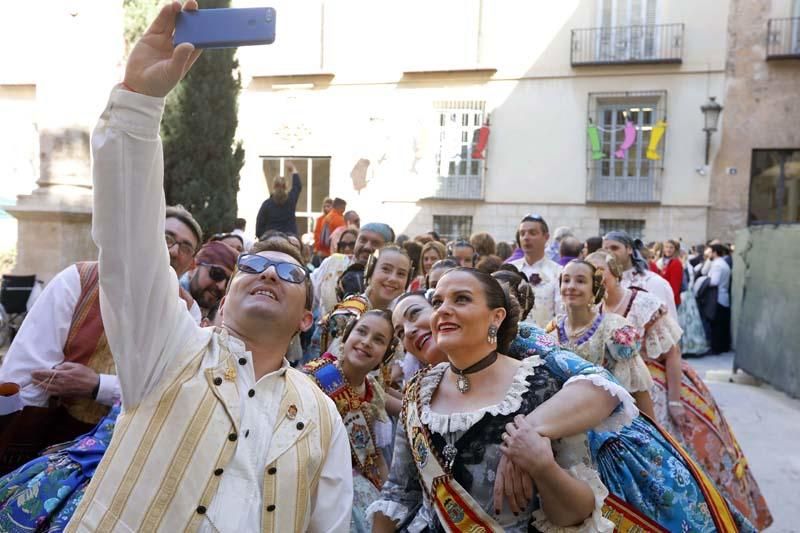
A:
[(639, 466), (42, 495)]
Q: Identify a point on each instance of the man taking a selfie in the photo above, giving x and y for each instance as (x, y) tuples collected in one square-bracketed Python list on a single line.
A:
[(217, 432)]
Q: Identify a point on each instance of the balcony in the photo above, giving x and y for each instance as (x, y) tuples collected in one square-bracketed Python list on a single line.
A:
[(627, 45), (783, 38)]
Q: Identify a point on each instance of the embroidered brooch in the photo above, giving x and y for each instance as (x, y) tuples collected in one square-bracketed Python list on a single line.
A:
[(230, 374), (291, 412)]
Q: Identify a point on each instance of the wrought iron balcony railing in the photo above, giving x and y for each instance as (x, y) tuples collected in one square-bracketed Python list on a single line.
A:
[(627, 45), (783, 38)]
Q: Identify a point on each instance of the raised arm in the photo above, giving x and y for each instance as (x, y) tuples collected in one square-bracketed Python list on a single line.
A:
[(146, 324)]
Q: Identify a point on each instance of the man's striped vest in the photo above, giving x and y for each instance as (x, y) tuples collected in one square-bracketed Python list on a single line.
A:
[(159, 471)]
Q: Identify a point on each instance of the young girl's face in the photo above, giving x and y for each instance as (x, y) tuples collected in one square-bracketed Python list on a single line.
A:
[(368, 342), (390, 276)]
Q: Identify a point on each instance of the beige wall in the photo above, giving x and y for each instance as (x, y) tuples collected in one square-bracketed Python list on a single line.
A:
[(538, 105)]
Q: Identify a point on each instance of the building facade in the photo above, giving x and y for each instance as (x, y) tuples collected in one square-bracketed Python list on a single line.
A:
[(592, 109), (455, 115)]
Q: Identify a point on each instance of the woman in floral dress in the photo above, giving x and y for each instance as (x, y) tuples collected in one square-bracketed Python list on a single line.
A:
[(42, 495), (683, 404)]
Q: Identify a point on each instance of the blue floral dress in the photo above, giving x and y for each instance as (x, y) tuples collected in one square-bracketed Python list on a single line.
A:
[(638, 464), (42, 495)]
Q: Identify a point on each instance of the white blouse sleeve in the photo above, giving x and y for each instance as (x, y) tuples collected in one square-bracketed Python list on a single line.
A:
[(572, 454)]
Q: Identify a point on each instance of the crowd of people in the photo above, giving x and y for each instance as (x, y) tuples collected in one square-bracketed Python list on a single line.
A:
[(362, 381)]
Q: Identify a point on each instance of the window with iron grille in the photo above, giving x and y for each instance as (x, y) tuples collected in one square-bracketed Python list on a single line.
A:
[(634, 228), (625, 165), (459, 176), (452, 227)]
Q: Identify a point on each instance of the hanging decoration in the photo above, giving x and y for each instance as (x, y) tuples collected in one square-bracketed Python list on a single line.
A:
[(655, 138), (480, 140), (628, 140), (594, 141)]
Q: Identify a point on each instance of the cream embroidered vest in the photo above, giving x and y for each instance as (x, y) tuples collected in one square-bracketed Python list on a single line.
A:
[(159, 471)]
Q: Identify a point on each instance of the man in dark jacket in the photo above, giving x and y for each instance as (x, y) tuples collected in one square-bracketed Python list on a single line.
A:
[(278, 211)]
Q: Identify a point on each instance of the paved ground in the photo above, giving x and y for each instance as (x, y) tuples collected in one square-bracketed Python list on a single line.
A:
[(767, 425)]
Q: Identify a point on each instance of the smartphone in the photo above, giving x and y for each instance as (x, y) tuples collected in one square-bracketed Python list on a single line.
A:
[(225, 28)]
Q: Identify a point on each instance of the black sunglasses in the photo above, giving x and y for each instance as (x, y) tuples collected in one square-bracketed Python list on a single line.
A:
[(344, 245), (256, 264), (216, 273)]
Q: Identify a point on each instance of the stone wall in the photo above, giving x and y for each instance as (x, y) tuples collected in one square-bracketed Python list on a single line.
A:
[(761, 110), (766, 305)]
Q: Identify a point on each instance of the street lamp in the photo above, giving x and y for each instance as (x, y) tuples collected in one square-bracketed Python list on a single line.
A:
[(711, 111)]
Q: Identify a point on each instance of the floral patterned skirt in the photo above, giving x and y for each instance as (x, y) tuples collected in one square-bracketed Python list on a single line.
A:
[(709, 440), (43, 494), (643, 469)]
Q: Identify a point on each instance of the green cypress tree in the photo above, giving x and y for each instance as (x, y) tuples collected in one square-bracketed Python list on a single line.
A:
[(202, 158)]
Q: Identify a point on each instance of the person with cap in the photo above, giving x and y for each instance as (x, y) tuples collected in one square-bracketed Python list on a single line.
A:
[(636, 270), (207, 281), (217, 432), (540, 271), (371, 237)]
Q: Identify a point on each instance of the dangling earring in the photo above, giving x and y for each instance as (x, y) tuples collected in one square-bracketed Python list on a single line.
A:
[(492, 337)]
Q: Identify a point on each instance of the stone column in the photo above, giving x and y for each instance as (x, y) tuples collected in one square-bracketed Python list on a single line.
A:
[(76, 70)]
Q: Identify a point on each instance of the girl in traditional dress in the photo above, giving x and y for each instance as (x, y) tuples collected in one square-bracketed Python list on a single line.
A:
[(693, 340), (683, 404), (368, 342), (431, 252), (601, 338), (646, 471), (669, 266), (387, 274), (447, 445)]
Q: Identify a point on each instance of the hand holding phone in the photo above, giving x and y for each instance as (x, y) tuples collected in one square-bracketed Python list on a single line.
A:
[(225, 28)]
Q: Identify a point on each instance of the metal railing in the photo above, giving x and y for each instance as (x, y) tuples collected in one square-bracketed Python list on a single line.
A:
[(627, 45), (783, 38), (459, 188)]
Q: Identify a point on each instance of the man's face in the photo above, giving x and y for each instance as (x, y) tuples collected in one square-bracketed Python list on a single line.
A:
[(366, 244), (621, 252), (465, 256), (256, 299), (326, 207), (184, 245), (353, 221), (532, 238), (208, 284)]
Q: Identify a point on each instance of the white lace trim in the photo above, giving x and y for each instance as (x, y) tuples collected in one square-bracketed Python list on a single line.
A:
[(663, 334), (458, 422), (619, 418), (633, 375), (593, 523), (392, 510)]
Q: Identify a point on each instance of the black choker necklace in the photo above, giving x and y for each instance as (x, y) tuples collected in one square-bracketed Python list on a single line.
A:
[(463, 381)]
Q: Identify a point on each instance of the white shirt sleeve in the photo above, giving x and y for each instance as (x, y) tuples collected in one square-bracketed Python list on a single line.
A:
[(39, 343), (715, 274), (145, 322), (328, 513), (109, 391)]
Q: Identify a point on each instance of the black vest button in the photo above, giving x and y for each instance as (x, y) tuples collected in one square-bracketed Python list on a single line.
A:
[(218, 472), (201, 509), (270, 508), (217, 381), (242, 361), (271, 471), (232, 437), (251, 393)]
